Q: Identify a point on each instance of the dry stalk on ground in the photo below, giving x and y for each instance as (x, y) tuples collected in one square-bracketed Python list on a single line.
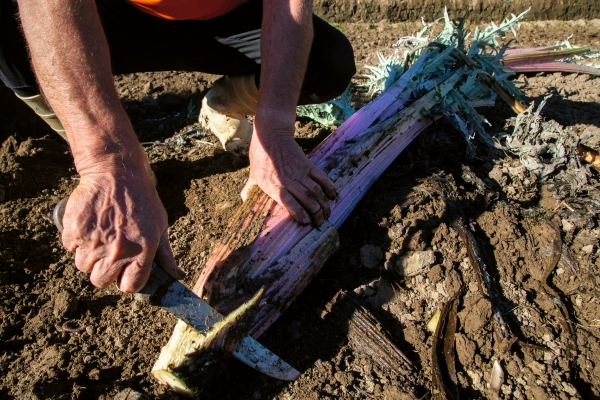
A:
[(264, 247)]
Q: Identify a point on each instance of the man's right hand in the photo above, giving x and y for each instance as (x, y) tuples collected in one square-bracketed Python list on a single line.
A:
[(116, 225), (114, 220)]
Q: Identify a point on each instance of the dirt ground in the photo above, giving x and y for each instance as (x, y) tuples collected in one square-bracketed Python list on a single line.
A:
[(115, 341), (474, 10)]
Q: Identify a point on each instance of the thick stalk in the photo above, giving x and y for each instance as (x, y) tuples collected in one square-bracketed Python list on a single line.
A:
[(554, 66)]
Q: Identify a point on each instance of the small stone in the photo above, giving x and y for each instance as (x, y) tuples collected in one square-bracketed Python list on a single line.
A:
[(148, 88), (589, 249), (569, 388), (496, 174), (395, 232), (370, 255), (453, 282), (440, 288), (537, 368), (415, 263), (65, 304), (474, 377), (344, 378), (90, 330), (435, 274), (567, 225), (224, 205), (94, 374), (507, 389), (130, 394)]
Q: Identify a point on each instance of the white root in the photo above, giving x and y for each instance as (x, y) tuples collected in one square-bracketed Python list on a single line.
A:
[(192, 356)]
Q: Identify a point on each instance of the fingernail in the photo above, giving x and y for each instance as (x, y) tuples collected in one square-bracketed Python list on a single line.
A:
[(305, 221)]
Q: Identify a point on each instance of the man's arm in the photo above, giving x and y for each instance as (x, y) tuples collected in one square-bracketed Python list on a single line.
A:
[(114, 221), (277, 163)]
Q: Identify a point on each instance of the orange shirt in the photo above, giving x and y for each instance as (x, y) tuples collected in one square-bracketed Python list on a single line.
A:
[(186, 9)]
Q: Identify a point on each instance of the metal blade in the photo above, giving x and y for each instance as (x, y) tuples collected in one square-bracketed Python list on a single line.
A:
[(171, 295), (168, 293), (264, 360)]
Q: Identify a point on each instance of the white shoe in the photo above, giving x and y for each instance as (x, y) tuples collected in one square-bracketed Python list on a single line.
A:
[(224, 110)]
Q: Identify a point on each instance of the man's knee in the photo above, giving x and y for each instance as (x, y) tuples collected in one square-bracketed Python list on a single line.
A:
[(341, 68), (332, 63)]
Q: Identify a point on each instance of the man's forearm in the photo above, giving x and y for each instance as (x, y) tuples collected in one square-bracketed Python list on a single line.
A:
[(72, 63), (286, 40)]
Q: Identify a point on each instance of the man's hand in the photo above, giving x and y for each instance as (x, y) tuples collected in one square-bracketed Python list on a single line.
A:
[(116, 225), (280, 168), (114, 220), (277, 164)]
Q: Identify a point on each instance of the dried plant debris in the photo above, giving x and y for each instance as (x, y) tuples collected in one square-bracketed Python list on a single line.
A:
[(552, 247), (553, 155), (369, 337), (546, 149), (444, 379)]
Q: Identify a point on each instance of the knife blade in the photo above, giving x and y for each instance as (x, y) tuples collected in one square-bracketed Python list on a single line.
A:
[(174, 297)]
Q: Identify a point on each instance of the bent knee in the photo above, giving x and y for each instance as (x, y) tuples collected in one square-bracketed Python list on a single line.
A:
[(339, 68), (331, 65)]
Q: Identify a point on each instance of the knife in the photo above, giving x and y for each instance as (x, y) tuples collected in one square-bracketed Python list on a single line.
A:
[(173, 296)]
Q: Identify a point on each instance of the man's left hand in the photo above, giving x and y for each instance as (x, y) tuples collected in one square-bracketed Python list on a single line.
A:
[(281, 169)]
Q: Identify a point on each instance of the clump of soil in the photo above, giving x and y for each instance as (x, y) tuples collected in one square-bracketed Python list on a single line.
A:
[(62, 338)]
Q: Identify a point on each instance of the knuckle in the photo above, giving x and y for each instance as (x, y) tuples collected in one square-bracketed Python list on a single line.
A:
[(315, 208), (316, 189)]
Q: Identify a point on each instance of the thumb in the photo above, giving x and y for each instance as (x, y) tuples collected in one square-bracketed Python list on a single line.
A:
[(164, 257), (250, 183)]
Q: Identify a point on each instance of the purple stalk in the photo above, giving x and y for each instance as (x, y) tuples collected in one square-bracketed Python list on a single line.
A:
[(554, 66), (354, 157), (531, 49), (541, 56)]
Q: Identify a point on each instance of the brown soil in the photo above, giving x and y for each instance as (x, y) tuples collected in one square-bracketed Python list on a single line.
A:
[(473, 10), (43, 297)]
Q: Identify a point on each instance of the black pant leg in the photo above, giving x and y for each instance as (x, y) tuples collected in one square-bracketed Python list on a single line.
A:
[(330, 64)]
